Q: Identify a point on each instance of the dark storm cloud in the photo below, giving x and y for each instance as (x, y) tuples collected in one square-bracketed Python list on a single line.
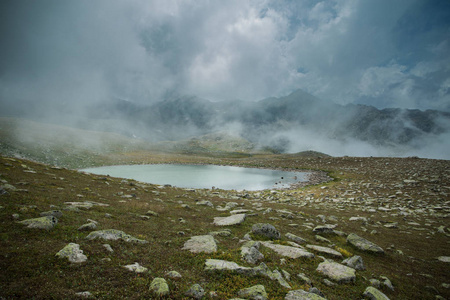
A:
[(380, 52)]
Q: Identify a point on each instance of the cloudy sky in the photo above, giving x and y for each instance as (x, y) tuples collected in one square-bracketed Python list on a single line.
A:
[(380, 52)]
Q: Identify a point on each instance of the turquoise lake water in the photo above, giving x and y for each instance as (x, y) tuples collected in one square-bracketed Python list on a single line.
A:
[(204, 176)]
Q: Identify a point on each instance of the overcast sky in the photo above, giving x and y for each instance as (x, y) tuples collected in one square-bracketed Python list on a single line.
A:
[(386, 53)]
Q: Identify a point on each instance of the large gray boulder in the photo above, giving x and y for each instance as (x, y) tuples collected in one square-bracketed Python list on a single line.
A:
[(47, 222), (266, 230), (231, 220), (363, 244), (114, 234), (73, 253), (201, 243), (302, 295), (159, 287), (337, 272)]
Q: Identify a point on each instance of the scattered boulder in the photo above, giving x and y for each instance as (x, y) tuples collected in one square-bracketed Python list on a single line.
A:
[(223, 265), (288, 251), (151, 213), (295, 238), (325, 229), (256, 292), (363, 244), (445, 259), (325, 250), (159, 287), (85, 294), (205, 203), (73, 253), (136, 267), (387, 283), (201, 243), (302, 295), (47, 222), (266, 230), (336, 272), (277, 276), (304, 278), (108, 248), (114, 234), (355, 262), (374, 294), (195, 291), (231, 220), (322, 239), (223, 233)]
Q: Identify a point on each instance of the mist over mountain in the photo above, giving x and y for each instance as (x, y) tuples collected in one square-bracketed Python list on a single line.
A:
[(294, 123)]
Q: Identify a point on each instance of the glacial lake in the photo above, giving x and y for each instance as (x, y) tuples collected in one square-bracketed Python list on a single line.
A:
[(204, 176)]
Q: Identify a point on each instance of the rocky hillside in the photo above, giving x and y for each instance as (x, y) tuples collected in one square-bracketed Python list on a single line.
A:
[(379, 229)]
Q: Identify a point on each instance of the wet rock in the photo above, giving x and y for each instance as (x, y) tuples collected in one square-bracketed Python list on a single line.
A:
[(201, 243), (295, 238), (336, 272), (73, 253), (195, 291), (363, 244), (288, 251), (302, 295), (355, 262), (256, 292), (136, 267), (114, 234), (159, 287), (231, 220), (47, 222), (266, 230), (374, 294), (325, 250)]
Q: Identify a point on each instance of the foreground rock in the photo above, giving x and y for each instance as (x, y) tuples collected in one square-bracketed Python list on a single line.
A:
[(201, 243), (337, 272), (159, 287), (266, 230), (250, 252), (136, 267), (302, 295), (231, 220), (114, 234), (47, 222), (288, 251), (363, 244), (257, 292), (374, 294), (73, 253)]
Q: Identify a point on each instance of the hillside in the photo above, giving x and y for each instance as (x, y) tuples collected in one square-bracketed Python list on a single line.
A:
[(401, 205)]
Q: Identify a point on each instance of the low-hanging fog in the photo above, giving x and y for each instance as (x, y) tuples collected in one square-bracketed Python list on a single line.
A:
[(131, 67)]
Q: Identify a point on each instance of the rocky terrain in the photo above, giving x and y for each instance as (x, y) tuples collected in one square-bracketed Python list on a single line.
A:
[(378, 230)]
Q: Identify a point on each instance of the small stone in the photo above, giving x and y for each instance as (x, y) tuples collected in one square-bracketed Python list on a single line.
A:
[(266, 230), (15, 216), (328, 282), (445, 259), (322, 239), (374, 294), (375, 283), (152, 213), (201, 243), (85, 294), (325, 229), (73, 253), (325, 250), (304, 278), (195, 291), (159, 287), (387, 283), (250, 252), (205, 203), (136, 267), (316, 291), (256, 292), (108, 248)]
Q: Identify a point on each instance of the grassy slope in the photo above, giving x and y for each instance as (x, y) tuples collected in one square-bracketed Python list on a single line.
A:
[(29, 267)]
